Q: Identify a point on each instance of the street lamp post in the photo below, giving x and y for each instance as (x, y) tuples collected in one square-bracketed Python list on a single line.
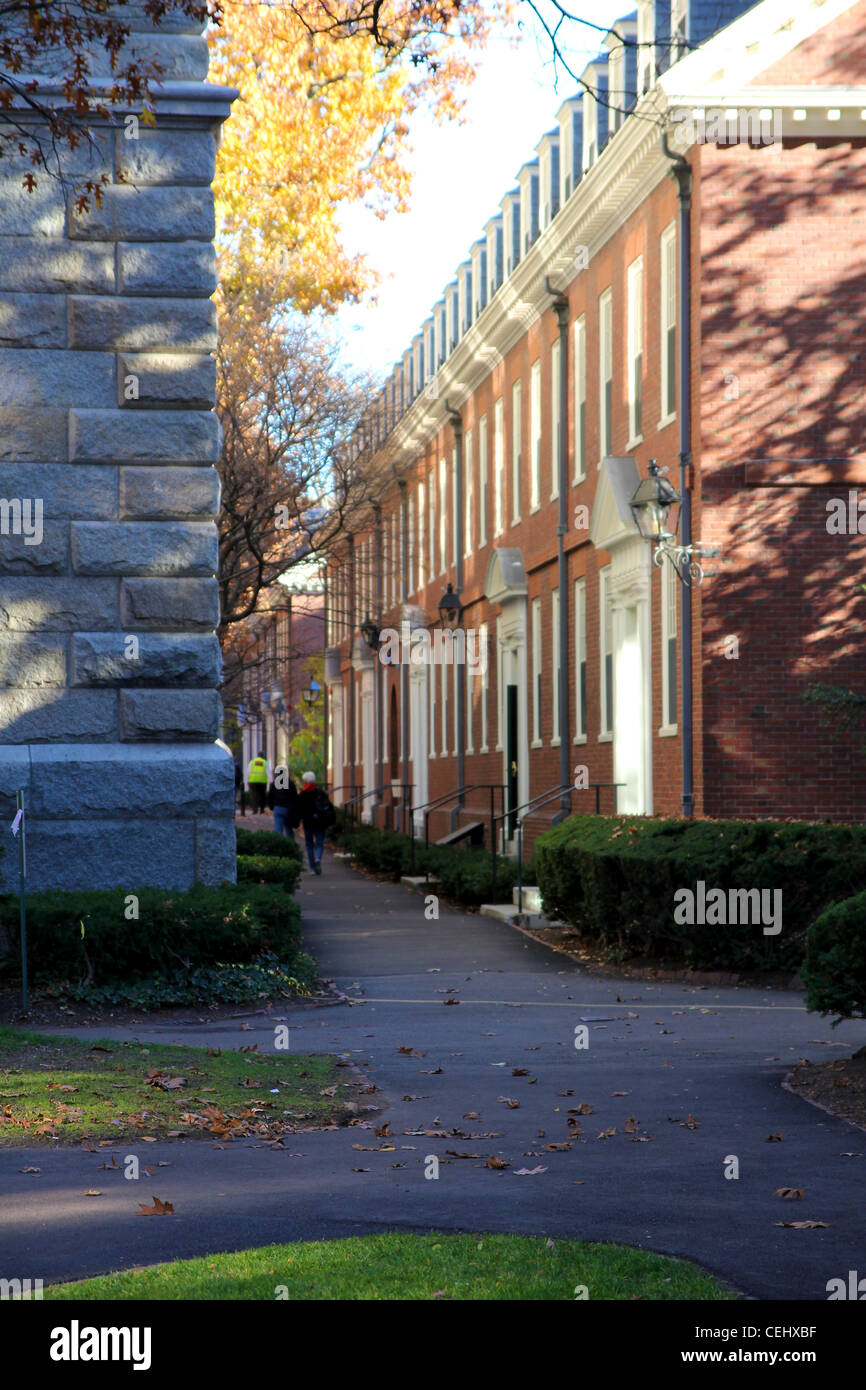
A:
[(457, 425)]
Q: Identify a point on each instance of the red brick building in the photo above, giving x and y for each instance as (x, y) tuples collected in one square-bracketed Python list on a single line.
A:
[(715, 184)]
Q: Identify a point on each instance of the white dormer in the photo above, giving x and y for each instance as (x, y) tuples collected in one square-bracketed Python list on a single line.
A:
[(595, 111), (528, 182), (417, 365), (622, 70), (511, 241), (495, 256), (547, 150), (452, 317), (439, 335), (465, 311), (428, 334), (570, 118), (479, 277), (408, 376)]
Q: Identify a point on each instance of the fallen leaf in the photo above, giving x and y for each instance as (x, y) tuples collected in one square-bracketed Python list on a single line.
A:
[(450, 1001), (93, 1192), (383, 1130), (454, 1153), (29, 1170), (494, 1162), (471, 1115), (690, 1123), (214, 1052), (97, 1047), (620, 1093), (159, 1208), (528, 1172), (360, 1170), (607, 1133), (803, 1225), (565, 1093), (435, 1072), (790, 1193), (559, 1148), (520, 1071), (774, 1138)]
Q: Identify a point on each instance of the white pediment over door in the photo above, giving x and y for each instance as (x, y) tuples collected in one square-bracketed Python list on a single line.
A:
[(611, 521)]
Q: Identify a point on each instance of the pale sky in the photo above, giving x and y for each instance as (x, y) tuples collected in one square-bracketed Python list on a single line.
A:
[(460, 174)]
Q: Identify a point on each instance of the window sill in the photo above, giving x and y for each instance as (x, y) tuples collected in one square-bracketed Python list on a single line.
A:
[(515, 521), (555, 742), (668, 420), (535, 508), (606, 738), (668, 731), (631, 444), (484, 749), (578, 479), (537, 743), (579, 738)]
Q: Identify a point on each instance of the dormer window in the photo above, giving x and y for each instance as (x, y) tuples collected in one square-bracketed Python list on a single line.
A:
[(679, 28)]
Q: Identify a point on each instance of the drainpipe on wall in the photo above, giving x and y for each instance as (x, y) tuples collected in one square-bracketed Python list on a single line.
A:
[(404, 665), (326, 707), (352, 623), (377, 800), (682, 172), (560, 305), (457, 426)]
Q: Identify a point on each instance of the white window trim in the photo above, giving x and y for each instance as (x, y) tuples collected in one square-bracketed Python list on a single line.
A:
[(605, 733), (634, 344), (469, 497), (431, 712), (579, 396), (498, 467), (555, 412), (535, 438), (537, 670), (605, 349), (467, 676), (482, 481), (668, 236), (555, 670), (580, 650), (500, 691), (485, 694), (516, 448), (443, 515)]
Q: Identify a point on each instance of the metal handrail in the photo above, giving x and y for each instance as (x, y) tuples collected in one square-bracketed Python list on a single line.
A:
[(459, 794), (519, 826)]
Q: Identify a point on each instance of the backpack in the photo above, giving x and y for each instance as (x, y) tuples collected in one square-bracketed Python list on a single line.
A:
[(323, 812)]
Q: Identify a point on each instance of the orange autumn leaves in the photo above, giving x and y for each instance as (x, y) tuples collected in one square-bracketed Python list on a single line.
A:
[(323, 122)]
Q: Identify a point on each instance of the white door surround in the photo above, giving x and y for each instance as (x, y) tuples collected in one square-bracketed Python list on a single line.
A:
[(506, 584)]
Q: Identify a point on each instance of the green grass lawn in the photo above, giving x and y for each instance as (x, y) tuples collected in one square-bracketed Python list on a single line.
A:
[(54, 1088), (476, 1267)]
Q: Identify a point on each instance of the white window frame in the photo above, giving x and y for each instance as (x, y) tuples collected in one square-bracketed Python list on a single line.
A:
[(431, 697), (605, 652), (580, 406), (516, 448), (605, 373), (556, 720), (485, 693), (537, 673), (454, 505), (431, 517), (535, 437), (498, 466), (634, 352), (458, 669), (669, 632), (443, 513), (445, 704), (500, 687), (555, 416), (469, 493), (580, 666), (482, 481), (469, 706), (416, 562), (667, 324)]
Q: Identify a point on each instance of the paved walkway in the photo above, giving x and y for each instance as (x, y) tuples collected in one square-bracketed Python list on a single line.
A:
[(717, 1055)]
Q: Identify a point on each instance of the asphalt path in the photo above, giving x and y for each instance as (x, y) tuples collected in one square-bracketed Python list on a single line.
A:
[(681, 1079)]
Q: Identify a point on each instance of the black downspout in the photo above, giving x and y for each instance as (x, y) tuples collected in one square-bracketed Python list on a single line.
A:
[(352, 769), (326, 704), (457, 425), (682, 172), (404, 665), (560, 305), (377, 801)]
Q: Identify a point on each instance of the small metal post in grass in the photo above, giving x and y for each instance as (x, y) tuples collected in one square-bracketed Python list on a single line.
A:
[(18, 831)]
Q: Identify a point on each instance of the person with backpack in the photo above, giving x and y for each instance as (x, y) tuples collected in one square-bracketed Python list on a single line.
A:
[(317, 814), (283, 801)]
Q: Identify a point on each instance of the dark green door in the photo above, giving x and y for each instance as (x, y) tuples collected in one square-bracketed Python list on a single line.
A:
[(511, 753)]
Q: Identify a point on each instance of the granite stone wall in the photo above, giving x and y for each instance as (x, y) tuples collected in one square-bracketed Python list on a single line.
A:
[(109, 662)]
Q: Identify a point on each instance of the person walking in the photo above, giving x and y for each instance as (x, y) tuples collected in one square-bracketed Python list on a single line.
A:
[(258, 776), (316, 814), (283, 801), (240, 789)]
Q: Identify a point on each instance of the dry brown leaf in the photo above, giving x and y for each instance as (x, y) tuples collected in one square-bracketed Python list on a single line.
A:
[(774, 1138), (803, 1225), (790, 1194), (494, 1162), (690, 1123), (520, 1071), (159, 1208), (93, 1192)]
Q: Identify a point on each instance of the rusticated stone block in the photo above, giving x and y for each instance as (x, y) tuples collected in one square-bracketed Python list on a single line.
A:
[(166, 156), (146, 214), (53, 378), (168, 603), (46, 715), (43, 550), (61, 267), (32, 321), (142, 325), (33, 604), (93, 781), (72, 854), (147, 658), (170, 715), (182, 269), (32, 659), (147, 436), (33, 436), (86, 493), (216, 850), (145, 547), (163, 493), (153, 379)]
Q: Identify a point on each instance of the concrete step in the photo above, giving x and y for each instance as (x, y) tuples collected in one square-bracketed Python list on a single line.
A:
[(531, 899), (502, 912), (418, 882)]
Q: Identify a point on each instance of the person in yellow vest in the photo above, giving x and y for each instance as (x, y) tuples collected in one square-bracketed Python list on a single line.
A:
[(258, 776)]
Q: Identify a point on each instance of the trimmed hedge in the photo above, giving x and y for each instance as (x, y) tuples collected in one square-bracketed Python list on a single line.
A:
[(197, 927), (835, 969), (614, 878), (269, 868), (267, 842), (463, 875)]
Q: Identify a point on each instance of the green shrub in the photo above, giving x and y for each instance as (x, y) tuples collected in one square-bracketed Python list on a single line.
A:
[(266, 868), (835, 969), (217, 984), (267, 842), (614, 877), (189, 929), (463, 875)]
